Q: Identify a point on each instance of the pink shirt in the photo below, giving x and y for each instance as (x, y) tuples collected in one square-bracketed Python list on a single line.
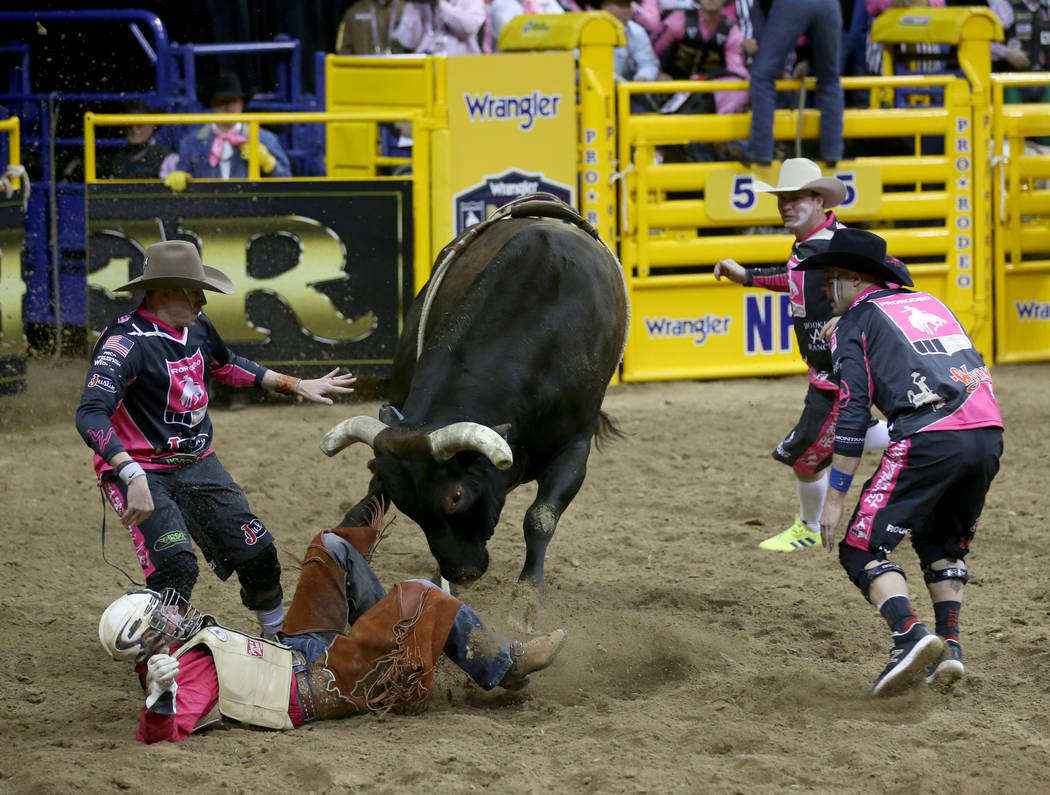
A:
[(725, 101), (448, 28), (197, 695)]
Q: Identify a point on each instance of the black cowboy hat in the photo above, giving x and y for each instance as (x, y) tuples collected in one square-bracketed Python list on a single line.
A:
[(860, 251), (136, 107), (227, 84)]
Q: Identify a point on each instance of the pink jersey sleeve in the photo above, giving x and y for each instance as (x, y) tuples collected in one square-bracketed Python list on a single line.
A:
[(198, 692), (778, 282), (238, 371)]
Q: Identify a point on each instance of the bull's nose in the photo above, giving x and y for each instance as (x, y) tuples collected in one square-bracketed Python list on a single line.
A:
[(466, 577)]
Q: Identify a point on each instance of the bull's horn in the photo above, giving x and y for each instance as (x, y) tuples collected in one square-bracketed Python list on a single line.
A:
[(446, 442), (356, 429)]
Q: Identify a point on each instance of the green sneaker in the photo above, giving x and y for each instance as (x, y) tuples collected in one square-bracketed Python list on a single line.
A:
[(798, 536)]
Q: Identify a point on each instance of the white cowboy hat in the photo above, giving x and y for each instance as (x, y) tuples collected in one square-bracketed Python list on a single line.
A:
[(177, 263), (799, 173)]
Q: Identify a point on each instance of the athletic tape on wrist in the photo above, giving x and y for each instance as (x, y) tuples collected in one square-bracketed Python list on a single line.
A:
[(286, 384), (839, 481)]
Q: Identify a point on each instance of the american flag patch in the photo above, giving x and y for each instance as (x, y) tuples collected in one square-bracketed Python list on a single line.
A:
[(120, 344)]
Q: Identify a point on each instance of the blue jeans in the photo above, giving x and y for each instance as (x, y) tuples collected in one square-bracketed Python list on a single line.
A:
[(479, 651), (821, 21)]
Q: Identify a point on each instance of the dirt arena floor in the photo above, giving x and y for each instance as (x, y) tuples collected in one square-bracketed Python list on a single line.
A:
[(695, 661)]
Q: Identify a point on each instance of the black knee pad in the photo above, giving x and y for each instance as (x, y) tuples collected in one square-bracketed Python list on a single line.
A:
[(178, 572), (956, 570), (260, 580), (855, 562)]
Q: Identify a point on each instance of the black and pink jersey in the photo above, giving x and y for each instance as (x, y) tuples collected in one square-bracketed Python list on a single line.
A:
[(147, 390), (810, 307), (906, 353)]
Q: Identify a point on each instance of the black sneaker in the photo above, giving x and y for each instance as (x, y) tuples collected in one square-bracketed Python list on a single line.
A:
[(947, 669), (912, 651)]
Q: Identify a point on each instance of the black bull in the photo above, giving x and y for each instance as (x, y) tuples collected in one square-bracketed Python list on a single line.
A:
[(522, 335)]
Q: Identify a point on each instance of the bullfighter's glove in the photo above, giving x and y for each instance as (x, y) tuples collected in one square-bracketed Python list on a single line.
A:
[(266, 160), (160, 684)]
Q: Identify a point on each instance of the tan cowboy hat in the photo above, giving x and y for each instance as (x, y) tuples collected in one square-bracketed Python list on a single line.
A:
[(177, 263), (799, 173)]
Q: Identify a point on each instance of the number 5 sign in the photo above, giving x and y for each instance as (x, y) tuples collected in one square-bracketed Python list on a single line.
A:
[(731, 195)]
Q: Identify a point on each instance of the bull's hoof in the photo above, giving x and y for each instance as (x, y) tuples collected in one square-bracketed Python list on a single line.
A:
[(526, 613)]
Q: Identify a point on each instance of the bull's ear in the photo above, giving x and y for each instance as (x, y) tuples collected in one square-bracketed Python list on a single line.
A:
[(503, 430)]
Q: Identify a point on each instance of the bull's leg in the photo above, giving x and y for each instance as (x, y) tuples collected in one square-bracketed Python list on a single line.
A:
[(556, 488)]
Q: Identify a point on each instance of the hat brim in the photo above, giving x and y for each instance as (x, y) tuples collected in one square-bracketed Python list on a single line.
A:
[(833, 190), (214, 280), (885, 271)]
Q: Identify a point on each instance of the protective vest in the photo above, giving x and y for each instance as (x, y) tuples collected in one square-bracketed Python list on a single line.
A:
[(255, 676), (1032, 30), (696, 55)]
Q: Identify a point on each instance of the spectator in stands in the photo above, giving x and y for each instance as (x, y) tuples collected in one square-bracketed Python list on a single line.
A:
[(742, 9), (441, 27), (703, 43), (651, 14), (221, 150), (785, 21), (142, 156), (503, 11), (856, 28), (873, 57), (1026, 26), (10, 173), (636, 62), (368, 28)]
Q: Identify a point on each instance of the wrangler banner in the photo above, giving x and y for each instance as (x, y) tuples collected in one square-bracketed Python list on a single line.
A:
[(512, 128), (323, 269)]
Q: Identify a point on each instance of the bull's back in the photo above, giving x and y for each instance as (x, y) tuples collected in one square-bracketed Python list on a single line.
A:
[(531, 315)]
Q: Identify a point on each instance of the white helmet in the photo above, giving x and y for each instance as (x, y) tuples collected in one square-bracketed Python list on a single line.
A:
[(124, 624), (138, 623)]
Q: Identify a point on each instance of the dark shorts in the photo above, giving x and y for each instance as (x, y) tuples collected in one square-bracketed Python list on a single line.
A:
[(201, 502), (809, 446), (930, 486)]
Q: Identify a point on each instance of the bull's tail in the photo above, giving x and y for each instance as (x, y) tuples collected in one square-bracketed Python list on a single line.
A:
[(606, 430)]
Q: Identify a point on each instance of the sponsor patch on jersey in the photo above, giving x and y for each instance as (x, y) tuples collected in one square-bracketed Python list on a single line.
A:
[(187, 394), (252, 530), (168, 540), (101, 382), (927, 323), (255, 647), (118, 343)]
